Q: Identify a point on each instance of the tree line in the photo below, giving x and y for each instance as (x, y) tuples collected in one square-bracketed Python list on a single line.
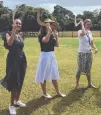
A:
[(29, 23)]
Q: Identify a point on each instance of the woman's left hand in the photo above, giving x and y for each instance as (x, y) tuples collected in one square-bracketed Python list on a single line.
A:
[(96, 50)]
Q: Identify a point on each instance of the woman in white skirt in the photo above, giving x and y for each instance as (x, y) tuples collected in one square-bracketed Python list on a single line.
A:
[(47, 68), (84, 52)]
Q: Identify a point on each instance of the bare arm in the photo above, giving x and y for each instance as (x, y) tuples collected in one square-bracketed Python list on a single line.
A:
[(93, 46), (38, 18), (83, 31), (49, 31), (57, 40), (9, 38)]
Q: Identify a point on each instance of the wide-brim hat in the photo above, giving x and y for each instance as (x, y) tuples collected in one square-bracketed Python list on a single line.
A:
[(49, 21)]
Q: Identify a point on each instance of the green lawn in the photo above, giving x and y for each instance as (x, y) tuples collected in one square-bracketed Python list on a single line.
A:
[(81, 102)]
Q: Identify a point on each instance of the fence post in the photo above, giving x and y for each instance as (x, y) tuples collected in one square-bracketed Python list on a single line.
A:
[(72, 34), (100, 33)]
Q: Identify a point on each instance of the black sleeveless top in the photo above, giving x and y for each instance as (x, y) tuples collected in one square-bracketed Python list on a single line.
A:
[(49, 46), (17, 45)]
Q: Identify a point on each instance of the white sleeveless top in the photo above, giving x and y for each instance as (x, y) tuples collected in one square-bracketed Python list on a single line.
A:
[(84, 45)]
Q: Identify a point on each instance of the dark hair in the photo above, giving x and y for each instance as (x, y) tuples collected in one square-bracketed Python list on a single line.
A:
[(42, 32), (43, 29)]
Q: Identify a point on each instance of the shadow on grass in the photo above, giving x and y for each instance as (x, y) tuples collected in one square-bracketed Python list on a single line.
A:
[(4, 112), (33, 105), (98, 97), (73, 96)]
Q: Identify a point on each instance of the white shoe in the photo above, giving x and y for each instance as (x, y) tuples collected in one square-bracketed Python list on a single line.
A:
[(19, 103), (47, 96), (12, 110), (61, 95)]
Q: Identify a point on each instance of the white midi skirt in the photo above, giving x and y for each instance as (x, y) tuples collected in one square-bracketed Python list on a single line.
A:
[(47, 68)]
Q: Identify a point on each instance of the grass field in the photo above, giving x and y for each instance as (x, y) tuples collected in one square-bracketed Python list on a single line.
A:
[(81, 102)]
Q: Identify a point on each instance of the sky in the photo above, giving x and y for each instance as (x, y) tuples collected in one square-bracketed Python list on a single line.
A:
[(76, 6)]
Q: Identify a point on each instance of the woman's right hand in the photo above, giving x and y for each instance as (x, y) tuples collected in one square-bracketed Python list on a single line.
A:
[(96, 50), (9, 38)]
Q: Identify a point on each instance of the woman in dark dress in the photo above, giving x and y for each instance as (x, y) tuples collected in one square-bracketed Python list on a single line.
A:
[(15, 65)]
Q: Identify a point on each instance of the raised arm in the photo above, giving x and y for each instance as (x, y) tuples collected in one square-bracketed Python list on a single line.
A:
[(9, 38), (76, 24), (49, 32), (38, 18), (14, 12), (83, 31)]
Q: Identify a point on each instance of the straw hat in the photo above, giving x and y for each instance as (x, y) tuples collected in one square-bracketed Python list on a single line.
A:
[(49, 21)]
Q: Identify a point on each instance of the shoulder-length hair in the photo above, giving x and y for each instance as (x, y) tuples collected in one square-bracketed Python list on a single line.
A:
[(87, 20), (42, 32)]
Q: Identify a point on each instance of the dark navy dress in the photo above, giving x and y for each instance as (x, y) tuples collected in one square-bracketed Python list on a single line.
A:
[(15, 64)]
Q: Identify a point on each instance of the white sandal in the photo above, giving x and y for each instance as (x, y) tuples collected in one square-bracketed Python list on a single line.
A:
[(47, 96), (61, 95)]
